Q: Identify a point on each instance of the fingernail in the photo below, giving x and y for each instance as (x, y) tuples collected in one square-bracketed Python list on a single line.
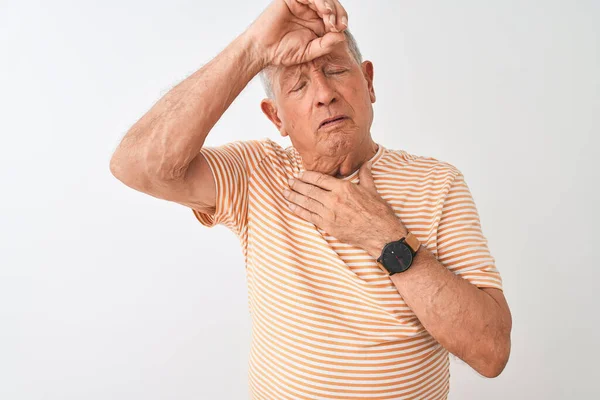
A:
[(327, 6), (345, 20), (332, 19)]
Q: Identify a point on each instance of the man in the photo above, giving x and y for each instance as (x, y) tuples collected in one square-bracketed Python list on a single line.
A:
[(365, 265)]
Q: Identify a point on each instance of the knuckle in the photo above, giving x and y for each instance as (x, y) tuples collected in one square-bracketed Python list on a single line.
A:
[(303, 200), (333, 217), (319, 179), (319, 220), (315, 204)]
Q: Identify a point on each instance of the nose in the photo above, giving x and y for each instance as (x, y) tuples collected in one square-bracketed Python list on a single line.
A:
[(325, 91)]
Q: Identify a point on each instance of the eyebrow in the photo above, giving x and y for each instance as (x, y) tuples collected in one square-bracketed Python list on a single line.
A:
[(292, 71), (287, 74)]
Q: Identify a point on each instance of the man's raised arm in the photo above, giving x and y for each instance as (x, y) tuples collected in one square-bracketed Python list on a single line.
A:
[(160, 154), (162, 144)]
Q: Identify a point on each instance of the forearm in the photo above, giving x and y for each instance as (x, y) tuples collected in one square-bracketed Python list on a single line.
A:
[(463, 318), (168, 137)]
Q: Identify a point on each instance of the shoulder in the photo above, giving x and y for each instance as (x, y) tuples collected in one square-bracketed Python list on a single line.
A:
[(279, 156), (250, 152), (427, 166), (264, 154), (265, 146)]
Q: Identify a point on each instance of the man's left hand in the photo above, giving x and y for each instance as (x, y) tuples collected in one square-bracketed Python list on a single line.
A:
[(353, 213)]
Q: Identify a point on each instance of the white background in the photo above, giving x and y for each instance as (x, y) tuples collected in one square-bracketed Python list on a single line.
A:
[(108, 293)]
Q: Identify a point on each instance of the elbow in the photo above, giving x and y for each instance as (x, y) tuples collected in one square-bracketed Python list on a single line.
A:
[(494, 368), (120, 170), (495, 361), (125, 173), (140, 179), (114, 168), (127, 170), (495, 354)]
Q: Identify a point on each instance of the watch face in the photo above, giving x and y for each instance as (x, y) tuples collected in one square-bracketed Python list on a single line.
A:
[(397, 257)]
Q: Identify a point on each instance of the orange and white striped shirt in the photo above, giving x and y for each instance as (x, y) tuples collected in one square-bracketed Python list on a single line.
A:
[(327, 323)]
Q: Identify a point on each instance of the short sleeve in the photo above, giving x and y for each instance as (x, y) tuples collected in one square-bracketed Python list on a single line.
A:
[(461, 245), (232, 166)]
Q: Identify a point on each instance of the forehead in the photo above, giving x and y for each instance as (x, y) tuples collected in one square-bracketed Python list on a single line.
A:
[(335, 57)]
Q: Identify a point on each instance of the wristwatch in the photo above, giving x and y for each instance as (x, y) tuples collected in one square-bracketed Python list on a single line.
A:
[(398, 256)]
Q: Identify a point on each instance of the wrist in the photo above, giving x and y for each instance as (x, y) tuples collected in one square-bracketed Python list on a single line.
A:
[(251, 45), (256, 45), (376, 245)]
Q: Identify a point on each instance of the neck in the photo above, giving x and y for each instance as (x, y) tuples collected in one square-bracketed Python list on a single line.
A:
[(344, 165), (365, 155)]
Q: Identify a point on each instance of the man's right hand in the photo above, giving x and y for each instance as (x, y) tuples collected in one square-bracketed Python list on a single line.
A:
[(290, 32)]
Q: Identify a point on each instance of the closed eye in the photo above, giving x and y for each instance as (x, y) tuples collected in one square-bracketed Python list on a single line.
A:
[(332, 73), (301, 86)]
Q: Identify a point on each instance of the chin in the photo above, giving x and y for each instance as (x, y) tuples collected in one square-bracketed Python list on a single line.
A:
[(337, 143)]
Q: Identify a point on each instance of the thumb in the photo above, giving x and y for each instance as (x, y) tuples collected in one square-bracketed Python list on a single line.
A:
[(366, 178), (324, 45)]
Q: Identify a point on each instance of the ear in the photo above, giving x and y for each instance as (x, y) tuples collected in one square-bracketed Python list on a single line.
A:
[(269, 108), (367, 68)]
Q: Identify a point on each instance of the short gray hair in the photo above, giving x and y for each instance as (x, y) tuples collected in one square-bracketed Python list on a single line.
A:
[(265, 74)]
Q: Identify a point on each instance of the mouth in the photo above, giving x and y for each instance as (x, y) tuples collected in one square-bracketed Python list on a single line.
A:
[(333, 120)]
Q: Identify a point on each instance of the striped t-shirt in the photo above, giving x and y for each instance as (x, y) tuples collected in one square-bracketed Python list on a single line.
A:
[(327, 323)]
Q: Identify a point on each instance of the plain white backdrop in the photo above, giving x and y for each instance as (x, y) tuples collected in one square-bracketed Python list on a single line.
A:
[(108, 293)]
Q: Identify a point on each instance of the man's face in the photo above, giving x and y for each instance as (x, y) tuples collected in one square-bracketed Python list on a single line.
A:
[(306, 94)]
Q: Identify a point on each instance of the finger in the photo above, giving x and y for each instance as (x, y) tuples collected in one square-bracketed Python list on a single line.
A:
[(329, 6), (341, 16), (330, 18), (318, 179), (339, 19), (323, 45), (305, 214), (309, 190), (305, 202), (326, 10), (318, 6)]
